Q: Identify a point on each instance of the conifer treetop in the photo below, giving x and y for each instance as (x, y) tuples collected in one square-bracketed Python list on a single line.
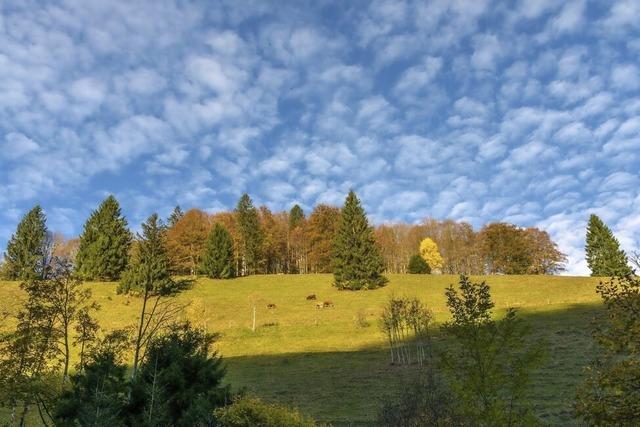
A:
[(603, 252), (356, 259)]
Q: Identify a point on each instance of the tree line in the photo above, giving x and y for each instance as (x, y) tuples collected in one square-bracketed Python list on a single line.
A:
[(255, 240)]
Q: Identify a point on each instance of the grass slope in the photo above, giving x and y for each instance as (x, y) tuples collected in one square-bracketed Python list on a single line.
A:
[(332, 363)]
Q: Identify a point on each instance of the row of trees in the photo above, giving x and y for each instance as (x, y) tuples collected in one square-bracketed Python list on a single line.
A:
[(250, 240)]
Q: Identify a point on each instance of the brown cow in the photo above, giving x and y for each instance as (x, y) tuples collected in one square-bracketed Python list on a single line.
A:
[(319, 305), (327, 304), (271, 306), (311, 297)]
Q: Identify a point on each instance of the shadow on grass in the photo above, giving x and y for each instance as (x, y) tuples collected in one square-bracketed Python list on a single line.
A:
[(347, 388)]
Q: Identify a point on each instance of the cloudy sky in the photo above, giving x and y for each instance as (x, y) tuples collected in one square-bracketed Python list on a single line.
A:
[(525, 111)]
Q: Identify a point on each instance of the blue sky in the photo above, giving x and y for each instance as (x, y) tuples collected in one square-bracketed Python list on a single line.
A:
[(526, 111)]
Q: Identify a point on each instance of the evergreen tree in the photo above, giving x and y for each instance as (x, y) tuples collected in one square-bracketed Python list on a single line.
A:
[(97, 395), (149, 276), (104, 244), (357, 263), (251, 233), (296, 216), (180, 381), (604, 256), (217, 259), (417, 265), (175, 216), (28, 249)]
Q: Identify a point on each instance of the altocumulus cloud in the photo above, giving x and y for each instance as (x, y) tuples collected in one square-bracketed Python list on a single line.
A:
[(478, 110)]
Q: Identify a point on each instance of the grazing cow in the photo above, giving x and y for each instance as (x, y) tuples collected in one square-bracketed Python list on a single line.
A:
[(319, 305), (311, 297), (271, 306), (327, 304)]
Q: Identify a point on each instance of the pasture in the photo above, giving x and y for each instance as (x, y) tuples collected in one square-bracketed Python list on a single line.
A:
[(332, 362)]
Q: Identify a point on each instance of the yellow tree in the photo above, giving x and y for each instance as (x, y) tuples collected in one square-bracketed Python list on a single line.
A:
[(430, 253)]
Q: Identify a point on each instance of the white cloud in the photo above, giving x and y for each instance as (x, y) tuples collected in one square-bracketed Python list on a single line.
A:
[(625, 77), (487, 50), (144, 81), (570, 18), (17, 145), (88, 89), (419, 76)]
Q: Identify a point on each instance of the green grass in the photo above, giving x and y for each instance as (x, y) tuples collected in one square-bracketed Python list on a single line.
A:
[(330, 366)]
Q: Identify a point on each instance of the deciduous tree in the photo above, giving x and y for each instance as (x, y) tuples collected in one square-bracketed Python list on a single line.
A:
[(545, 256), (186, 240), (490, 364), (321, 229), (504, 249), (430, 253)]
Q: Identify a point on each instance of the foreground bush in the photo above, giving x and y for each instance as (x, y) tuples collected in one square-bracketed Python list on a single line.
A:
[(611, 393), (252, 412), (427, 401)]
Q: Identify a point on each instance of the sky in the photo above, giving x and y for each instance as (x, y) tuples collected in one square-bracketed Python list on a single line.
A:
[(526, 112)]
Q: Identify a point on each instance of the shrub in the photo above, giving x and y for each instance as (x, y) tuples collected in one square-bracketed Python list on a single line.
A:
[(490, 362), (251, 411), (427, 401), (406, 323), (417, 265)]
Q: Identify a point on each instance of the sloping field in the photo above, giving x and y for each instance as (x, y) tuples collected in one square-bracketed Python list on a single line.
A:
[(332, 363)]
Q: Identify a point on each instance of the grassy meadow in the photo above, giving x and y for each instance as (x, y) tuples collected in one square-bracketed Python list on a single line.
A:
[(332, 363)]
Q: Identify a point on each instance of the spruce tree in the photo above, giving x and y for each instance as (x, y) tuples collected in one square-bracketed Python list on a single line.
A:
[(417, 265), (175, 216), (28, 249), (357, 263), (104, 244), (604, 256), (251, 233), (217, 259), (148, 275), (296, 215)]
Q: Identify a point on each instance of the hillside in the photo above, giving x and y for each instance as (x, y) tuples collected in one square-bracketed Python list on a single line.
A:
[(332, 363)]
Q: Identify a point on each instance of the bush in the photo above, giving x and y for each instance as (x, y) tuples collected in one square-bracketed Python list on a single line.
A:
[(417, 265), (251, 411), (427, 401)]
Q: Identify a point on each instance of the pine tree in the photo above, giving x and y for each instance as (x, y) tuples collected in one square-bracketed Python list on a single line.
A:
[(28, 249), (217, 259), (104, 244), (175, 216), (357, 263), (604, 256), (252, 237)]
